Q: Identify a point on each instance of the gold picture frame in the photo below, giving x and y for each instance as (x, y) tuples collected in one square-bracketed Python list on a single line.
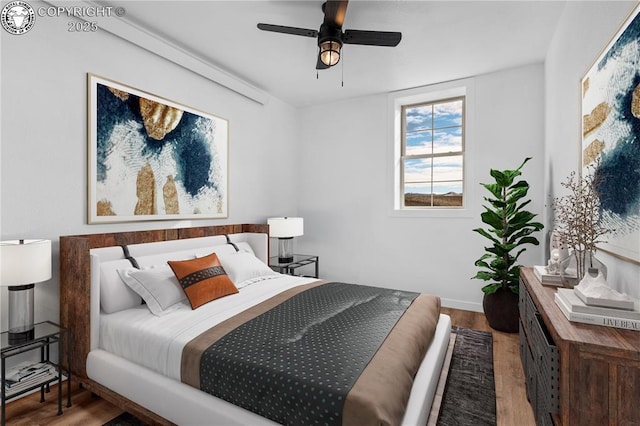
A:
[(150, 158), (610, 137)]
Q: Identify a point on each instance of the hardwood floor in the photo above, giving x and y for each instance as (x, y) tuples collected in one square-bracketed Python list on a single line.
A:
[(85, 410), (511, 402)]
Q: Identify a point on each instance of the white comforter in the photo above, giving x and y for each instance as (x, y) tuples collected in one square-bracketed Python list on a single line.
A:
[(157, 342)]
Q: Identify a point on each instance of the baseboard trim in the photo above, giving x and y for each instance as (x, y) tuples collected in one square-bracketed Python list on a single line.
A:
[(461, 304)]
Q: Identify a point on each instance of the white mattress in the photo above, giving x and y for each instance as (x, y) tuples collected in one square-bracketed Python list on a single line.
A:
[(157, 342)]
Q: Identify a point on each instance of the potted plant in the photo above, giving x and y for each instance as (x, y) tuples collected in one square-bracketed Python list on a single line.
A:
[(510, 228)]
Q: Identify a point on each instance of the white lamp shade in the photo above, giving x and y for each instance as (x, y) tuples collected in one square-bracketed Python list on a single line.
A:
[(285, 227), (26, 263)]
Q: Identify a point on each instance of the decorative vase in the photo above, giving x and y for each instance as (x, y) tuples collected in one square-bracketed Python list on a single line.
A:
[(501, 310), (580, 262)]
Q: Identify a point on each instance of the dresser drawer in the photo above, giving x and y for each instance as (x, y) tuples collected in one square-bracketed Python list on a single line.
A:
[(528, 312), (528, 367), (547, 361), (523, 346)]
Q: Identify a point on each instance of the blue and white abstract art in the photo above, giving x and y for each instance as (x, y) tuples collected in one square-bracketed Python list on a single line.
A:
[(153, 159), (611, 136)]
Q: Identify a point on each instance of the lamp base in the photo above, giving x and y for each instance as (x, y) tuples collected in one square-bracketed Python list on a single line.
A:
[(285, 250), (21, 336), (21, 313)]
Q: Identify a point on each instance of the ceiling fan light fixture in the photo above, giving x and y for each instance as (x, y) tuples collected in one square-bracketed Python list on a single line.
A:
[(330, 52), (331, 37)]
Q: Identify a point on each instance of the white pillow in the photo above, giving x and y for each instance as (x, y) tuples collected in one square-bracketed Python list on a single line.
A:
[(244, 246), (114, 294), (219, 250), (162, 258), (243, 266), (157, 285)]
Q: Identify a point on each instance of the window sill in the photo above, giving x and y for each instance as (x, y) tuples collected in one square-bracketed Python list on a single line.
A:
[(445, 213)]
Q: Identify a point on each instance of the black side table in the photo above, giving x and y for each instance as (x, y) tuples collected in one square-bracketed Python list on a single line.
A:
[(44, 335), (298, 261)]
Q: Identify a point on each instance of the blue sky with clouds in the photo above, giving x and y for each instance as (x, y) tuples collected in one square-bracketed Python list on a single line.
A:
[(434, 129)]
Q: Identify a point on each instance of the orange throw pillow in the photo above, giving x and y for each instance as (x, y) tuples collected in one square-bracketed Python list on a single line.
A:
[(202, 279)]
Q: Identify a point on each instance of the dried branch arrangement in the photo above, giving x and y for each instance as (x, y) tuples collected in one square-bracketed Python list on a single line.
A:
[(577, 215)]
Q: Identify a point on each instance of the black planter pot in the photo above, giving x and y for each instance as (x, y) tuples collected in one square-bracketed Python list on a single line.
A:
[(501, 310)]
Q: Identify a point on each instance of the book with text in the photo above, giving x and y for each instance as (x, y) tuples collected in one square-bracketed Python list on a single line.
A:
[(604, 320), (576, 304)]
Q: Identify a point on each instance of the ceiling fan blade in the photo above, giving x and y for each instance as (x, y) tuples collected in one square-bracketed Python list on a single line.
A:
[(321, 65), (334, 12), (372, 38), (288, 30)]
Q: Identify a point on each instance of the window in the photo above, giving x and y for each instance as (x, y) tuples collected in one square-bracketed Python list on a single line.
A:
[(432, 150), (432, 154)]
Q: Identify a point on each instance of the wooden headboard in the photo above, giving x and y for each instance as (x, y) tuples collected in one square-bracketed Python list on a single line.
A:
[(75, 276)]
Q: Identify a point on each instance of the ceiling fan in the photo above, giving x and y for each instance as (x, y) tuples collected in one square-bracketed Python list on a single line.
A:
[(331, 37)]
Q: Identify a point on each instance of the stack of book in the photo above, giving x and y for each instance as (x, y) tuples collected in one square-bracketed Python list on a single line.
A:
[(575, 309), (27, 374)]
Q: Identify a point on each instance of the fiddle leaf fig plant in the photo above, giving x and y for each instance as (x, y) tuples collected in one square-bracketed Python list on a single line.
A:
[(510, 228)]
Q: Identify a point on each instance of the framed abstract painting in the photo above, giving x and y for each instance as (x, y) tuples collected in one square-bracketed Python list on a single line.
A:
[(153, 159), (611, 137)]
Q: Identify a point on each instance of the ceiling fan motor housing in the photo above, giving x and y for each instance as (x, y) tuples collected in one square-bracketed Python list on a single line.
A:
[(330, 44), (329, 33)]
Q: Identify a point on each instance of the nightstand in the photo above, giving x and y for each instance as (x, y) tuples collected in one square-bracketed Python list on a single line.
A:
[(44, 335), (299, 260)]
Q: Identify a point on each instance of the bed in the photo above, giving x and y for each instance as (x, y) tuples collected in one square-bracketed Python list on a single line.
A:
[(138, 356)]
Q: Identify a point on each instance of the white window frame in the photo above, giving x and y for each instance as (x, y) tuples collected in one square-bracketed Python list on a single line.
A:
[(426, 94)]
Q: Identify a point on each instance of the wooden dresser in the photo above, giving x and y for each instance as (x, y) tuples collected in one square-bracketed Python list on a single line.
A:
[(577, 374)]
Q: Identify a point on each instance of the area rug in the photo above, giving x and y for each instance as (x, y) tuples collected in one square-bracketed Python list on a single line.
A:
[(467, 395)]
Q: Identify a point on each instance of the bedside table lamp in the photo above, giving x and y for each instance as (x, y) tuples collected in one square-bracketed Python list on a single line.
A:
[(22, 264), (285, 228)]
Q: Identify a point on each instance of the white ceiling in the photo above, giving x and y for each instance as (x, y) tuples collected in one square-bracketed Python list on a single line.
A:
[(441, 41)]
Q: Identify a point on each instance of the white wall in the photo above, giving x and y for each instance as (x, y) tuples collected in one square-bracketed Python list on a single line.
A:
[(285, 161), (343, 180), (583, 31), (44, 138)]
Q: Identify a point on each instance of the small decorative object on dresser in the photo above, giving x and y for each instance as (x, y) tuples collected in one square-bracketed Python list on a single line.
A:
[(510, 227), (558, 252), (555, 273), (593, 290)]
